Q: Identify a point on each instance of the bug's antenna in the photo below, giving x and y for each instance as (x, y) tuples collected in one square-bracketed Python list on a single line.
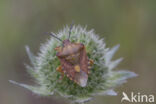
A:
[(52, 34), (71, 26)]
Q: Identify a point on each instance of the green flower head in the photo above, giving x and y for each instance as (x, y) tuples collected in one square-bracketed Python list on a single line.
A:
[(102, 78)]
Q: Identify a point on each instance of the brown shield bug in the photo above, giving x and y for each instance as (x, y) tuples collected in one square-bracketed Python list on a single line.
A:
[(74, 60)]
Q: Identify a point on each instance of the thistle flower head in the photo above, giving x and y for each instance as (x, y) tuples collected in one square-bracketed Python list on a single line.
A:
[(101, 81)]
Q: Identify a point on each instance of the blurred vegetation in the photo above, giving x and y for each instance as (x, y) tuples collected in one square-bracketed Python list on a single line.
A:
[(131, 23)]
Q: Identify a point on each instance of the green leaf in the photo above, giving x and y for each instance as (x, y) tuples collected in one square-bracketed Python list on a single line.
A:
[(30, 55), (34, 89)]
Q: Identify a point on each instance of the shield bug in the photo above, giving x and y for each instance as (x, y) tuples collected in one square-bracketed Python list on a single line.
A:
[(74, 60)]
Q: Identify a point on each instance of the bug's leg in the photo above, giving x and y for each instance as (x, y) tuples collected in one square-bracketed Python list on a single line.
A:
[(90, 64), (59, 69), (58, 49)]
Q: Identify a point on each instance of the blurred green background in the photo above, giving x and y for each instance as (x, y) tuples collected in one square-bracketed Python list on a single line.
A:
[(130, 23)]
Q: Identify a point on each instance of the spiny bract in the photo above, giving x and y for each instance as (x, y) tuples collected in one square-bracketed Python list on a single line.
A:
[(102, 78)]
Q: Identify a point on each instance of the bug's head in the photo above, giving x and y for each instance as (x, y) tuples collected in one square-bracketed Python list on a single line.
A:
[(66, 41)]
